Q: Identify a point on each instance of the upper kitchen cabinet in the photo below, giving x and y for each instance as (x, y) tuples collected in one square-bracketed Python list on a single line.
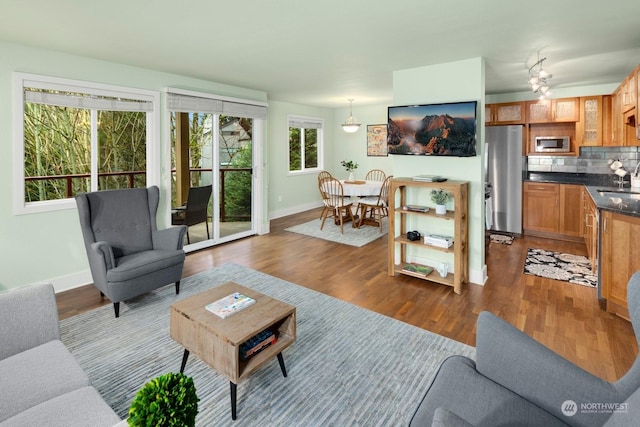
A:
[(554, 110), (624, 111), (589, 130), (505, 113), (628, 90)]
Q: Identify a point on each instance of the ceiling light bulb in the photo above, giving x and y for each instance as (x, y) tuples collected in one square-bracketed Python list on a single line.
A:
[(543, 74), (544, 89), (533, 80), (535, 87)]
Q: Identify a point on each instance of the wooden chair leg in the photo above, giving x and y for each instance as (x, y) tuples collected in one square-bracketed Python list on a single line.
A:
[(363, 212), (324, 216)]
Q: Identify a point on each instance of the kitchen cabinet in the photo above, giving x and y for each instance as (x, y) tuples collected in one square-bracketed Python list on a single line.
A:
[(616, 118), (398, 227), (553, 110), (620, 258), (540, 207), (571, 210), (553, 210), (624, 111), (505, 113), (590, 227), (589, 130), (606, 121), (628, 92)]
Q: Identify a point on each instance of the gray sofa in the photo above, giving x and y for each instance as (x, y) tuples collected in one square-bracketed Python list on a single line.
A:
[(516, 381), (41, 384)]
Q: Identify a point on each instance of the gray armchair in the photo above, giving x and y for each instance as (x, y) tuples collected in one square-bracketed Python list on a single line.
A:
[(516, 381), (128, 255)]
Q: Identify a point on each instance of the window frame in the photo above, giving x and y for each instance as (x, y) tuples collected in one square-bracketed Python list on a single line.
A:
[(319, 141), (22, 80)]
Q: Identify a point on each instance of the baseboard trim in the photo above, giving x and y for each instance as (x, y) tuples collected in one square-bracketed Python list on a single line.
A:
[(295, 209)]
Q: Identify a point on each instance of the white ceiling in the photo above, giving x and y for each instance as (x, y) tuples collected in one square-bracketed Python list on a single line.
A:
[(323, 52)]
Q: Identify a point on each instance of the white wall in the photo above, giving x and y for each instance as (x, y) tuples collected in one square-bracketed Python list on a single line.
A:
[(451, 82)]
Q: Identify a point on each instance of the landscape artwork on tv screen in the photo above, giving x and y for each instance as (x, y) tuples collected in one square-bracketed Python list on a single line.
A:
[(433, 130)]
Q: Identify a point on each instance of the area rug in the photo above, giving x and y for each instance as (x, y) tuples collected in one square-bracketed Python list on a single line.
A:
[(352, 236), (348, 366), (501, 239), (556, 265)]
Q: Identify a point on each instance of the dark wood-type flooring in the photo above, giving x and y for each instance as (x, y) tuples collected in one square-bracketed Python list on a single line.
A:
[(565, 317)]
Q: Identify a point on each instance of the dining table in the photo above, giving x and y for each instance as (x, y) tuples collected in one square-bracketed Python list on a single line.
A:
[(360, 188)]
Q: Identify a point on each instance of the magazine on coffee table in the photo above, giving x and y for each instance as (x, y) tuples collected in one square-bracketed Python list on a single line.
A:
[(231, 304)]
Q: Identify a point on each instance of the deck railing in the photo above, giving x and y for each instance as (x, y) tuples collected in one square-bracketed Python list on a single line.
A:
[(130, 178)]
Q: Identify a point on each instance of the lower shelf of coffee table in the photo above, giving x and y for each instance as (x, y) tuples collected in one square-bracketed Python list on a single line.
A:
[(284, 338)]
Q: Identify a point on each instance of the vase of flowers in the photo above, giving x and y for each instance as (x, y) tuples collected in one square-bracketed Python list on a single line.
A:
[(350, 166), (440, 197)]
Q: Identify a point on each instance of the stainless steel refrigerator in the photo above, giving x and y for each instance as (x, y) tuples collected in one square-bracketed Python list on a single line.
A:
[(504, 173)]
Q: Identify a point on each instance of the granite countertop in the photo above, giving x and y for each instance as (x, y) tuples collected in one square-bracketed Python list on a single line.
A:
[(625, 201)]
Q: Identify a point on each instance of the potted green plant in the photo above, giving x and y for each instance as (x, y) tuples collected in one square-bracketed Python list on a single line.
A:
[(440, 197), (350, 166), (167, 400)]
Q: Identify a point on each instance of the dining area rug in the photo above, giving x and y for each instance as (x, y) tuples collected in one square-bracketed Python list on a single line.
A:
[(352, 236), (348, 366), (560, 266)]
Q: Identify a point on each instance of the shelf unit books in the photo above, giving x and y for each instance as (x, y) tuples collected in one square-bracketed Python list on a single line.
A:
[(438, 240), (229, 305), (453, 254), (256, 344), (417, 269), (416, 208)]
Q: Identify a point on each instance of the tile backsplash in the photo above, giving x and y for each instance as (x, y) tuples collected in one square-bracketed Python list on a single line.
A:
[(591, 160)]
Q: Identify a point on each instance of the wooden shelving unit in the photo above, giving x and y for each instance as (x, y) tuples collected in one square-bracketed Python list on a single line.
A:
[(398, 229)]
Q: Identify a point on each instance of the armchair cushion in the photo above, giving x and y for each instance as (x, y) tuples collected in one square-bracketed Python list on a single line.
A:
[(444, 418), (516, 361), (459, 388), (141, 264)]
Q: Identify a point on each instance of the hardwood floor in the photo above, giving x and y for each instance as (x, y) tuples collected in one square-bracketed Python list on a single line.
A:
[(564, 317)]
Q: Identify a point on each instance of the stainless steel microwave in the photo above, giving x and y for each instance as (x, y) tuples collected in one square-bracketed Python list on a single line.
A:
[(552, 144)]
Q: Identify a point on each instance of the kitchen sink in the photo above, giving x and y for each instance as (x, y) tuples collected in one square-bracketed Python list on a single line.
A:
[(624, 193)]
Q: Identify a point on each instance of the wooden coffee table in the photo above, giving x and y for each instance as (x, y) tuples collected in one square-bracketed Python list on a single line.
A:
[(217, 341)]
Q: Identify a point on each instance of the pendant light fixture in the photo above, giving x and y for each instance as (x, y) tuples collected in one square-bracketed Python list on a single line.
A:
[(538, 79), (351, 125)]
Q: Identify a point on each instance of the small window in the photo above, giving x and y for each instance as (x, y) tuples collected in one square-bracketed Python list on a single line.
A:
[(78, 136), (305, 144)]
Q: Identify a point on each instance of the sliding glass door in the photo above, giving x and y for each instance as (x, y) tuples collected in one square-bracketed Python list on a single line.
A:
[(215, 151), (235, 177)]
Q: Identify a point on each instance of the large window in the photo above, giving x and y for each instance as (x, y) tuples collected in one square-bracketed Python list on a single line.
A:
[(305, 144), (78, 136)]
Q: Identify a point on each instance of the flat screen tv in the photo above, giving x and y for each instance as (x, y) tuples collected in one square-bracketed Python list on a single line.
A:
[(433, 129)]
